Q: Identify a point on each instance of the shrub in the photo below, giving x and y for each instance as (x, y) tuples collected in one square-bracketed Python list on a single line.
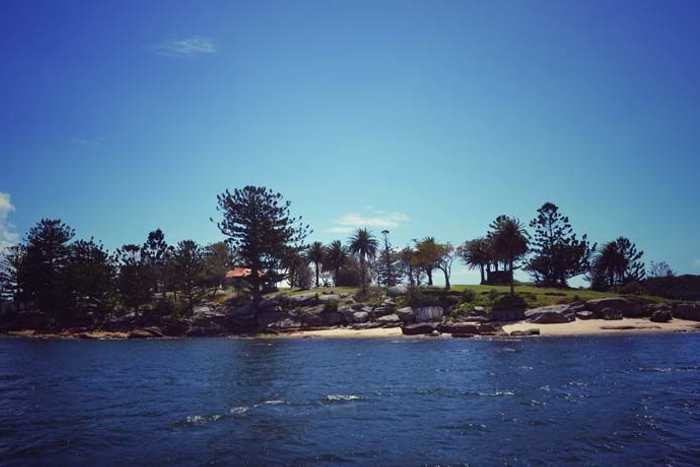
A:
[(330, 305), (493, 295), (510, 302), (468, 296), (632, 288)]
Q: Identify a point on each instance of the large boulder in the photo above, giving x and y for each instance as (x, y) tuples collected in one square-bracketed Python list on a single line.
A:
[(332, 318), (397, 290), (609, 314), (145, 333), (418, 329), (305, 299), (380, 311), (406, 314), (389, 320), (661, 316), (284, 325), (507, 314), (585, 314), (625, 306), (360, 317), (328, 298), (550, 314), (460, 329), (429, 313), (265, 317), (689, 311)]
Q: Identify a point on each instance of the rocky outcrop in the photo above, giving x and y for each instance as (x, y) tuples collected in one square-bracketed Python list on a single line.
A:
[(585, 314), (388, 321), (550, 314), (609, 314), (526, 332), (661, 316), (460, 329), (406, 314), (626, 307), (507, 315), (418, 329), (145, 333), (397, 290), (689, 311), (429, 313)]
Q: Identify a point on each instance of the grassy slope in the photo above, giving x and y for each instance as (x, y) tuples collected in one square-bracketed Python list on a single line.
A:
[(535, 296)]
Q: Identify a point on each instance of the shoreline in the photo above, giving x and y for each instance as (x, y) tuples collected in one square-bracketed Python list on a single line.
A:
[(592, 327)]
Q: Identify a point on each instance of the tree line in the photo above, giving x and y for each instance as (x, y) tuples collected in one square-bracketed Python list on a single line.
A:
[(54, 273)]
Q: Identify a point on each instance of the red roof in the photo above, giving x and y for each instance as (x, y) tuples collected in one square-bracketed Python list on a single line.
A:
[(237, 273)]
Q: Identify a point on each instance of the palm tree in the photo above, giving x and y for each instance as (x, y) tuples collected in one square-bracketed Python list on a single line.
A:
[(336, 256), (510, 242), (477, 254), (315, 255), (363, 245)]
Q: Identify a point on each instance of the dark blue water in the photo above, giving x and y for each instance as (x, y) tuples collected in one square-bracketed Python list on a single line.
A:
[(592, 401)]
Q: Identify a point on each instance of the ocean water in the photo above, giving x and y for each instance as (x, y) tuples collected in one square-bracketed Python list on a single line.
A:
[(622, 400)]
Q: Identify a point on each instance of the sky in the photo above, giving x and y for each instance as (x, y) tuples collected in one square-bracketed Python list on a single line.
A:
[(423, 118)]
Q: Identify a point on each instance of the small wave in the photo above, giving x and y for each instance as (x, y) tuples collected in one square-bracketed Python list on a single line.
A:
[(496, 394), (669, 369), (274, 402), (200, 420), (238, 410), (342, 397), (545, 388)]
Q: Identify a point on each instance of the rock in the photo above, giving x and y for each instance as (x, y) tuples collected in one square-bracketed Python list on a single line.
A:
[(460, 328), (242, 319), (406, 314), (609, 314), (123, 323), (154, 330), (332, 318), (429, 313), (435, 333), (308, 298), (287, 324), (474, 319), (329, 298), (552, 317), (397, 290), (479, 309), (486, 329), (265, 317), (526, 332), (205, 329), (381, 311), (535, 313), (268, 304), (417, 329), (389, 303), (360, 317), (507, 315), (389, 320), (661, 316), (175, 327), (140, 334), (689, 311), (585, 314), (625, 306)]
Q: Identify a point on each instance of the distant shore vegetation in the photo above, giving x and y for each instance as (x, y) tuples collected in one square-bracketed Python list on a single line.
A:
[(264, 246)]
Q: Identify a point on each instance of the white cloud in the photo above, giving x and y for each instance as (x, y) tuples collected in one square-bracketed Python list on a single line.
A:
[(8, 236), (377, 219), (696, 263), (191, 46)]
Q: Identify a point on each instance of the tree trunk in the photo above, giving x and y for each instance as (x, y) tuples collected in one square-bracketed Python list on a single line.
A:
[(447, 279), (512, 286), (316, 265), (481, 268), (429, 272), (363, 274)]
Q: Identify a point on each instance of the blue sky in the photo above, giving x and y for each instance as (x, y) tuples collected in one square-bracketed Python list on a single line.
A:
[(427, 118)]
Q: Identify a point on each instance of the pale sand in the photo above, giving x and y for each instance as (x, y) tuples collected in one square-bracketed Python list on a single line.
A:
[(342, 333), (599, 327)]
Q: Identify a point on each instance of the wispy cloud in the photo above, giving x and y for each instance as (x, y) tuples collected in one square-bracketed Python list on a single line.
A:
[(696, 263), (188, 47), (376, 219), (8, 236)]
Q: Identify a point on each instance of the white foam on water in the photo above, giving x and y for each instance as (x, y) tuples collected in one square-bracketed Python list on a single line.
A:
[(342, 397)]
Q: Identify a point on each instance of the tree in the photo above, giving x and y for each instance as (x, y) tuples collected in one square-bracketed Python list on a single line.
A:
[(558, 254), (444, 263), (387, 268), (133, 277), (336, 257), (427, 256), (660, 269), (407, 260), (364, 246), (218, 260), (188, 265), (316, 254), (617, 264), (259, 228), (12, 274), (47, 256), (91, 274), (477, 254), (510, 242), (155, 253)]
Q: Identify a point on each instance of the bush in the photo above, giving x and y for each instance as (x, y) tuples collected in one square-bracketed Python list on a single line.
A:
[(330, 305), (632, 288), (468, 296), (415, 297), (510, 302), (493, 295)]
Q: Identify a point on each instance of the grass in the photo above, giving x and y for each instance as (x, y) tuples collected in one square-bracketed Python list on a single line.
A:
[(485, 294)]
